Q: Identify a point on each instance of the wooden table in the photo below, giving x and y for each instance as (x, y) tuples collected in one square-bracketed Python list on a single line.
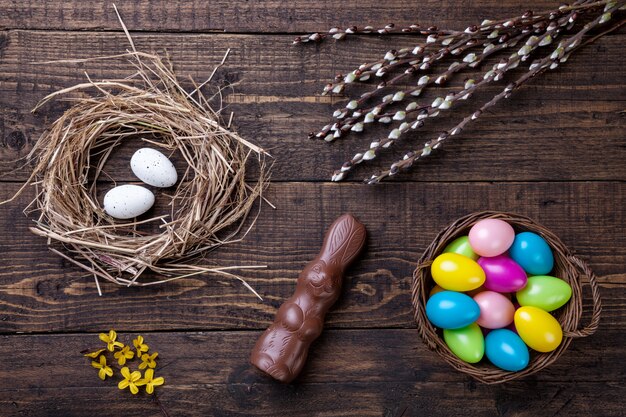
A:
[(554, 152)]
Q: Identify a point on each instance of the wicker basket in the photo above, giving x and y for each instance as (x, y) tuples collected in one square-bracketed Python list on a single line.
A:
[(566, 266)]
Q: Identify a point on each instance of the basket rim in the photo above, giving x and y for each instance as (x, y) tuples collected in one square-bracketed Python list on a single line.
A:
[(567, 267)]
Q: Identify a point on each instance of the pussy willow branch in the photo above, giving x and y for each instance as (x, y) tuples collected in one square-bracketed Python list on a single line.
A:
[(487, 29), (339, 34), (389, 29), (350, 121), (373, 113), (423, 55), (422, 61), (441, 103), (472, 47), (552, 61), (440, 45)]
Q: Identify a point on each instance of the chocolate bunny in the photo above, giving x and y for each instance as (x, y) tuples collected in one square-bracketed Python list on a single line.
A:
[(282, 349)]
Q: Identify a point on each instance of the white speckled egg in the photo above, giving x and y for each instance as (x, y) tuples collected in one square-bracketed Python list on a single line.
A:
[(128, 201), (153, 168)]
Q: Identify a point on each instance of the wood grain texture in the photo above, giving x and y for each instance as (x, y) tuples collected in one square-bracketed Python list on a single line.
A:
[(555, 152), (41, 292), (357, 399), (252, 16), (208, 374), (564, 125)]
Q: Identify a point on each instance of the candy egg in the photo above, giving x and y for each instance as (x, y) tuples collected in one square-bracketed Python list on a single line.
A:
[(502, 274), (456, 272), (475, 291), (451, 310), (435, 290), (153, 168), (538, 329), (506, 350), (461, 246), (545, 292), (467, 343), (532, 253), (491, 237), (496, 310), (128, 201), (482, 288)]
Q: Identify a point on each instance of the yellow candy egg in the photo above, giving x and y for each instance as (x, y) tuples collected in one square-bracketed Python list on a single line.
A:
[(538, 329), (435, 290), (455, 272)]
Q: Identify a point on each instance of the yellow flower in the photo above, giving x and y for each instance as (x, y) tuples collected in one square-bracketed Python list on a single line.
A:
[(140, 346), (150, 381), (103, 369), (94, 355), (122, 355), (131, 381), (109, 339), (148, 360)]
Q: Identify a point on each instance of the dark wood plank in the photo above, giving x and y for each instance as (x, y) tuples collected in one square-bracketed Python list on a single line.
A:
[(359, 399), (564, 125), (40, 292), (208, 374), (253, 16)]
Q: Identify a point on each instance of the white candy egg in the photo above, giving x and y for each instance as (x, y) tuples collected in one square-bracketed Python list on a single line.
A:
[(128, 201), (153, 168)]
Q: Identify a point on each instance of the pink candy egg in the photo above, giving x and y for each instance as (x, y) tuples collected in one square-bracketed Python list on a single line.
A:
[(503, 274), (496, 310), (491, 237)]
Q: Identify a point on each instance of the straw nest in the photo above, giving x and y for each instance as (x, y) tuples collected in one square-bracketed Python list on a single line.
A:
[(206, 210), (566, 266)]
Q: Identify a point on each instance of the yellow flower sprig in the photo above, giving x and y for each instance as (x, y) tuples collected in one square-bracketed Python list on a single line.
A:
[(148, 361), (109, 339), (132, 380), (103, 369), (140, 346), (123, 354), (150, 382), (95, 354)]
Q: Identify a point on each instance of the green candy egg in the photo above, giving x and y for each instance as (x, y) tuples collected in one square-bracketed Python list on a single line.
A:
[(544, 292), (461, 246), (467, 343)]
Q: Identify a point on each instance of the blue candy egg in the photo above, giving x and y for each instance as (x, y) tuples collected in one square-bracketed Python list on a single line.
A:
[(506, 350), (532, 253), (452, 310)]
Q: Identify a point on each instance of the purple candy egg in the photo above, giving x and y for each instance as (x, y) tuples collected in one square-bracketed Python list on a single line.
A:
[(503, 274)]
